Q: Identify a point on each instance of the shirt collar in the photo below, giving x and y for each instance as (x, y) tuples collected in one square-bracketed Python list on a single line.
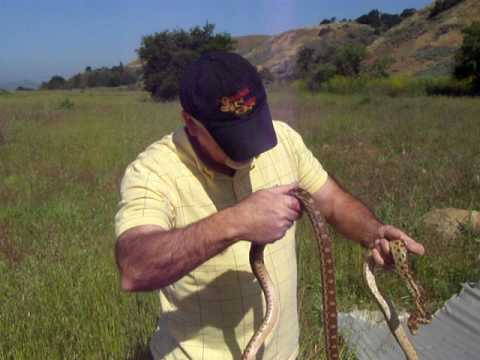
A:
[(189, 156)]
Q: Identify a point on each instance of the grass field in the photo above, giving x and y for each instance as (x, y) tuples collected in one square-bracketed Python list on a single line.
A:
[(62, 155)]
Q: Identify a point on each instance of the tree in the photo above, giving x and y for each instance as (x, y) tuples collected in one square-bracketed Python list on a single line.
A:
[(373, 18), (408, 12), (468, 57), (383, 21), (56, 82), (166, 54)]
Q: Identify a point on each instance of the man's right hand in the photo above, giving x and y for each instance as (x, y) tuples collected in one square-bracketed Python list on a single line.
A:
[(266, 215)]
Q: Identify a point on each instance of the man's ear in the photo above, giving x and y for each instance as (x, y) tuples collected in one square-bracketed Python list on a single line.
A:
[(190, 124)]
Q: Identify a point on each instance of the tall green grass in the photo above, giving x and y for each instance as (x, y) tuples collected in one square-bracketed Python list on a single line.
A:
[(62, 155)]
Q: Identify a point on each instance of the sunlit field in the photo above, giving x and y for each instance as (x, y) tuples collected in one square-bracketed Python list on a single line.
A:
[(62, 156)]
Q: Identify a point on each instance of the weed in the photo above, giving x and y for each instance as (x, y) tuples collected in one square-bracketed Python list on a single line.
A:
[(66, 104)]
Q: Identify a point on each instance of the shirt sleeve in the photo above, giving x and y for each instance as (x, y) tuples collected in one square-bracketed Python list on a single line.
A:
[(311, 174), (144, 199)]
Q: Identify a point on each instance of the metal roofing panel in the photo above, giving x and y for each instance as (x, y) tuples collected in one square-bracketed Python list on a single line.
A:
[(453, 334)]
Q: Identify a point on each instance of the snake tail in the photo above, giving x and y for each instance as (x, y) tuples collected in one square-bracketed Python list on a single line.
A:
[(272, 313)]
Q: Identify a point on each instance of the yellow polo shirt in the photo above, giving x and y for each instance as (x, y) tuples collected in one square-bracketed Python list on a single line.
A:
[(212, 312)]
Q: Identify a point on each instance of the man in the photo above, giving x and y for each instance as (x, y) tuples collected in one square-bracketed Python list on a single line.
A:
[(193, 203)]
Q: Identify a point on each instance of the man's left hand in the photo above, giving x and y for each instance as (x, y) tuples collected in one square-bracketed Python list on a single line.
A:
[(381, 249)]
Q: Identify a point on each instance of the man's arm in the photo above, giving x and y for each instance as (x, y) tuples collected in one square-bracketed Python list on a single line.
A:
[(150, 257), (355, 221)]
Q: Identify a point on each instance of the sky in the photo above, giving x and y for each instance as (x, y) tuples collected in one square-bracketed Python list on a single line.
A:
[(39, 39)]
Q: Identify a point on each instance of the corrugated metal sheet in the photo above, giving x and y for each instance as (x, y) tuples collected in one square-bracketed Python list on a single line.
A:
[(454, 333)]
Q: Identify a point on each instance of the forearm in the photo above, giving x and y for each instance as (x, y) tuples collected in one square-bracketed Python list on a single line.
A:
[(157, 259), (354, 220)]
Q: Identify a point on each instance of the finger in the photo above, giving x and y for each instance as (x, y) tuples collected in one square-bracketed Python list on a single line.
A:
[(287, 224), (284, 189), (377, 257), (293, 203), (414, 247), (292, 215), (392, 233), (385, 246)]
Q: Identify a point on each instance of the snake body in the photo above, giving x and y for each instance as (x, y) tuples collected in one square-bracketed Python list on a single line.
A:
[(418, 315), (325, 247)]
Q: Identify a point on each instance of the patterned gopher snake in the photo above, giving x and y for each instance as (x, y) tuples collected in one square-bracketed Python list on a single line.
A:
[(325, 247)]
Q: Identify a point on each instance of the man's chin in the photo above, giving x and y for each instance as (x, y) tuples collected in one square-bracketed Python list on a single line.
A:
[(238, 165)]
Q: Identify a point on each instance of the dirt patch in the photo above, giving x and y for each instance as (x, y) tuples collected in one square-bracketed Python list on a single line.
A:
[(8, 248)]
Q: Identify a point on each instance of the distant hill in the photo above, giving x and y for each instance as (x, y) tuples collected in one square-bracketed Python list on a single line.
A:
[(12, 85), (425, 45)]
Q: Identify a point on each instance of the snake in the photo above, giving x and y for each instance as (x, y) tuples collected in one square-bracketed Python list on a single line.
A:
[(327, 266)]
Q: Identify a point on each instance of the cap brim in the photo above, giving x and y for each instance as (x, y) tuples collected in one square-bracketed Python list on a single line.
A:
[(246, 137)]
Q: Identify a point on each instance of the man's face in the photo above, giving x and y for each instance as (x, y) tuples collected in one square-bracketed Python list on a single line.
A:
[(210, 146)]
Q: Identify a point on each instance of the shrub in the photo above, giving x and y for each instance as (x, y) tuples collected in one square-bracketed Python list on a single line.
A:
[(320, 74), (344, 85), (349, 58), (449, 87), (305, 60), (468, 57), (379, 69), (66, 104), (442, 5)]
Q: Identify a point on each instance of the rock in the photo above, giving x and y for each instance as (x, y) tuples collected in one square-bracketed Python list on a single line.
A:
[(449, 222)]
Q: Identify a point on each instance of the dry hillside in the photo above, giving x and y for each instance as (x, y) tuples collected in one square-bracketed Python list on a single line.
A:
[(426, 46), (278, 53)]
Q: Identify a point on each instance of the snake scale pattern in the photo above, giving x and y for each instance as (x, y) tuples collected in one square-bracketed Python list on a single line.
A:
[(419, 315), (327, 263)]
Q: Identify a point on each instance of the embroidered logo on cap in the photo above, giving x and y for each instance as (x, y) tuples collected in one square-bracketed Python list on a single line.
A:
[(237, 104)]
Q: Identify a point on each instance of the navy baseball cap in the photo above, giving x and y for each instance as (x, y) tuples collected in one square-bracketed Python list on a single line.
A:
[(225, 93)]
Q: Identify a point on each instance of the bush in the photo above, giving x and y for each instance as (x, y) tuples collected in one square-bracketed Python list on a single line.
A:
[(442, 5), (349, 58), (320, 74), (467, 60), (305, 60), (344, 85), (364, 84), (379, 69), (449, 87), (66, 104), (165, 55)]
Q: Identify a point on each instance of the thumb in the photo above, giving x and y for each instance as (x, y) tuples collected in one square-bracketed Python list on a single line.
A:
[(284, 189)]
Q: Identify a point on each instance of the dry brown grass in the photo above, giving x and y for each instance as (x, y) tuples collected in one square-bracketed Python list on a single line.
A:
[(8, 248)]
